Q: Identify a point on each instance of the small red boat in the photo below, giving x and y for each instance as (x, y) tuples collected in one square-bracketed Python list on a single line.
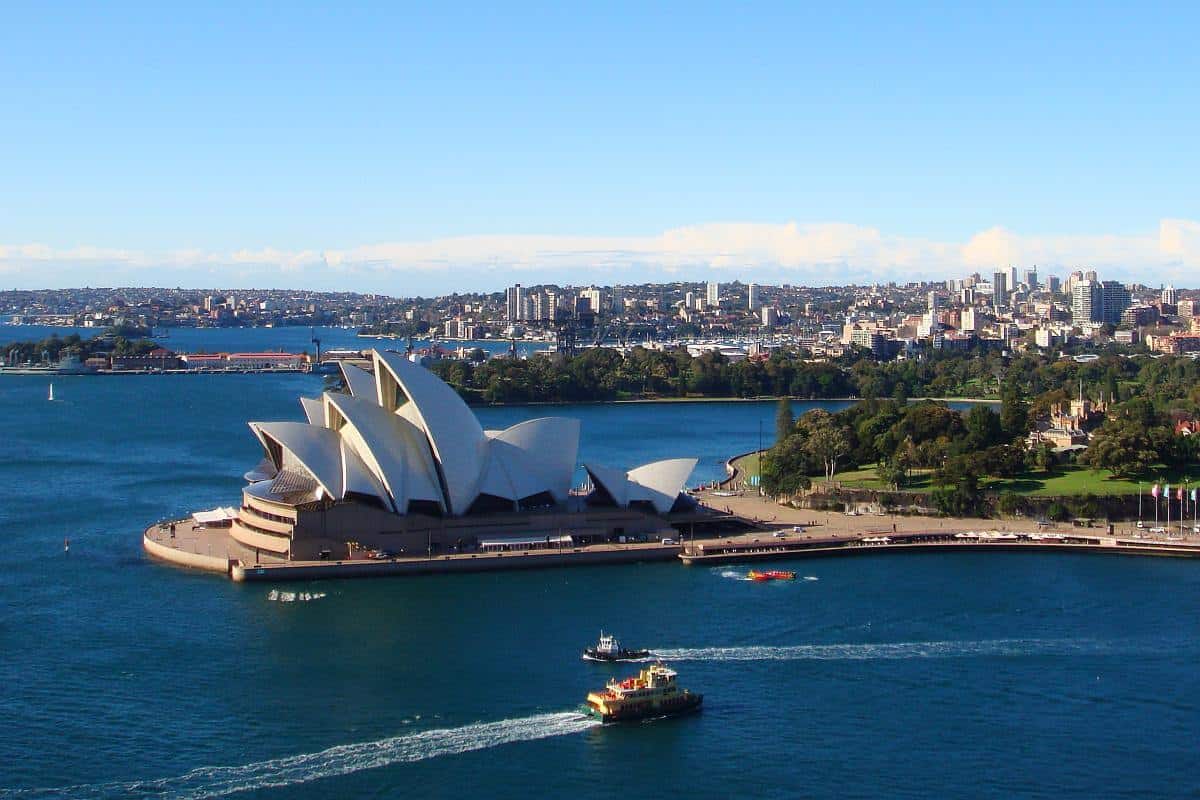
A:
[(771, 575)]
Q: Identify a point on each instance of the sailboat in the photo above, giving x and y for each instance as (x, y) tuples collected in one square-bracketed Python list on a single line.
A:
[(51, 397)]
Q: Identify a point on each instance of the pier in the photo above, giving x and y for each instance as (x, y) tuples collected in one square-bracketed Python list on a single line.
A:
[(791, 545)]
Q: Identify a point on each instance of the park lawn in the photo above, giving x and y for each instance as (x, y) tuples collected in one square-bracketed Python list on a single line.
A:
[(748, 464), (866, 478), (1067, 481), (1063, 482)]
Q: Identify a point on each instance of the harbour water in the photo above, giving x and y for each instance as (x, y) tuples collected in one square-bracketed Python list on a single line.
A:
[(948, 675)]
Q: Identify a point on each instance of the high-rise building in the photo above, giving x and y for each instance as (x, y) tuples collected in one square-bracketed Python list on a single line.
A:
[(1087, 302), (618, 299), (933, 301), (1114, 300), (968, 323), (999, 289), (540, 312), (1188, 308), (752, 297), (689, 301), (594, 298), (1053, 284), (714, 294), (1031, 278), (1169, 296), (770, 316), (514, 297), (552, 306), (1011, 279)]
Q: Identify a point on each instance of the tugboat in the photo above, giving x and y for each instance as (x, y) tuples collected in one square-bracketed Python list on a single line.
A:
[(653, 693), (609, 649)]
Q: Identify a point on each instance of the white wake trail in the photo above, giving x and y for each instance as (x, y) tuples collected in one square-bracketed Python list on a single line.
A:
[(205, 782), (890, 651)]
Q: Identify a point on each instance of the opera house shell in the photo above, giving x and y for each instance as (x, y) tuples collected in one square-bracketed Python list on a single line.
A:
[(399, 461)]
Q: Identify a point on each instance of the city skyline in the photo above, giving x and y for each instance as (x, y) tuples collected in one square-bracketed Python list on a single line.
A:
[(242, 147)]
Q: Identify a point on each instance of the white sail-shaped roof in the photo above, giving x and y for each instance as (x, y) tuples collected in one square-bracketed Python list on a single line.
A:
[(314, 410), (550, 446), (454, 434), (404, 436), (359, 382), (660, 482), (391, 447), (613, 480), (318, 450)]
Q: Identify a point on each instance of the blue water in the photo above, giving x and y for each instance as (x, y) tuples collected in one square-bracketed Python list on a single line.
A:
[(948, 675)]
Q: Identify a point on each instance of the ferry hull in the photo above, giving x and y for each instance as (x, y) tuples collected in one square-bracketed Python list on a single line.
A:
[(632, 712)]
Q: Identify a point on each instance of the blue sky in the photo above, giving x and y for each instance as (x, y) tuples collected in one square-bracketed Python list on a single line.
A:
[(421, 150)]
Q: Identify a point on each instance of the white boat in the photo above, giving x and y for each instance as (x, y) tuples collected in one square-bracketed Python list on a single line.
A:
[(51, 397)]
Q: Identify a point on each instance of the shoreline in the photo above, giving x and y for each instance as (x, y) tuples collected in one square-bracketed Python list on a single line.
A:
[(207, 550)]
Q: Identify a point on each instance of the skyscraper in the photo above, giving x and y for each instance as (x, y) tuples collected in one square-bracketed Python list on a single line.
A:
[(752, 297), (1169, 296), (1114, 300), (714, 294), (514, 299), (1031, 278), (999, 288), (1087, 302), (594, 298)]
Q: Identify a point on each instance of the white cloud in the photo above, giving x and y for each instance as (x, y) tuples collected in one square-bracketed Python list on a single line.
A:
[(818, 253)]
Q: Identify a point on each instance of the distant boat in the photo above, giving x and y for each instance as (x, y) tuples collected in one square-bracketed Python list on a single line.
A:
[(51, 397)]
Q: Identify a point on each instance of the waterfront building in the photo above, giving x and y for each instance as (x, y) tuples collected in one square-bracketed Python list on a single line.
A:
[(399, 462), (514, 300)]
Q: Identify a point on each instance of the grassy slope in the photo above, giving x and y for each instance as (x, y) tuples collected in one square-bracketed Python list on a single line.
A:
[(1065, 481)]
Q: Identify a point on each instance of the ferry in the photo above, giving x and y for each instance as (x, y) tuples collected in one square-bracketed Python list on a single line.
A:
[(771, 575), (653, 693), (609, 649)]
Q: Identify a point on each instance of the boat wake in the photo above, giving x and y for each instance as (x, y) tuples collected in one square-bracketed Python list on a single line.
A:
[(293, 597), (340, 760), (894, 650)]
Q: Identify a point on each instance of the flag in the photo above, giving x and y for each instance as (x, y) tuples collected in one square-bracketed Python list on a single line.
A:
[(1154, 491), (1193, 495), (1179, 494), (1167, 490)]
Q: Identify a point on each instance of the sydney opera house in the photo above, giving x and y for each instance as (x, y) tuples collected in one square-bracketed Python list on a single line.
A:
[(398, 462)]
